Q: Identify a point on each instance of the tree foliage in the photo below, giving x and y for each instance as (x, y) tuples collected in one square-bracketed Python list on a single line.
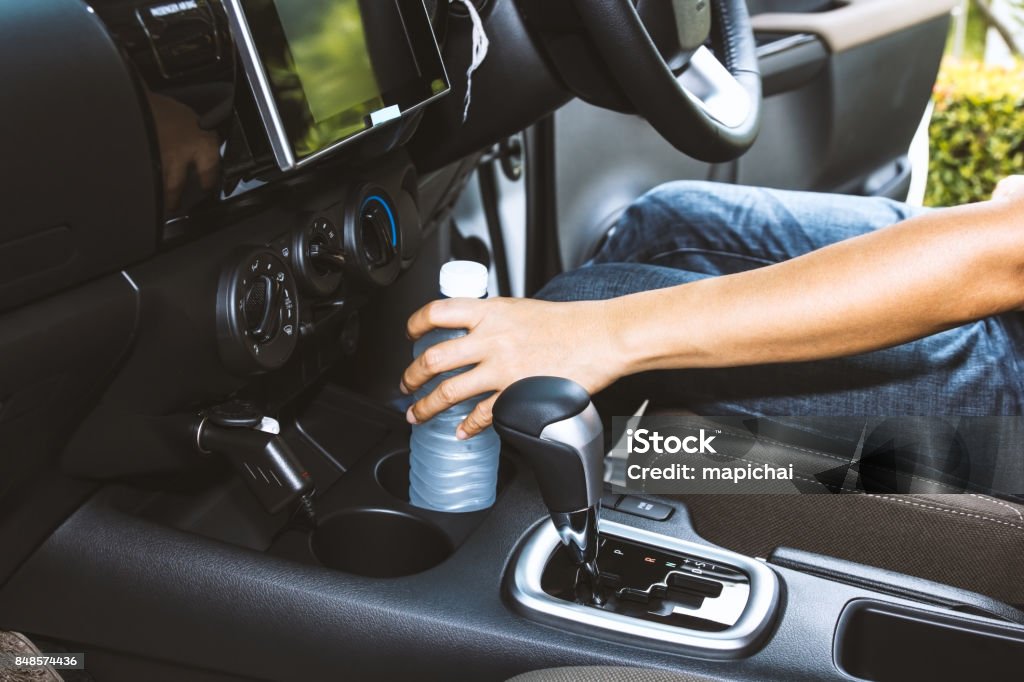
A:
[(977, 131)]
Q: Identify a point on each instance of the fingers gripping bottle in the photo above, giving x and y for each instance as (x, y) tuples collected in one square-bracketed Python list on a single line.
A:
[(445, 473)]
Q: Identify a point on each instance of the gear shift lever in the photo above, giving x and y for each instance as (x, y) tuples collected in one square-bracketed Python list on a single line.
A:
[(552, 422)]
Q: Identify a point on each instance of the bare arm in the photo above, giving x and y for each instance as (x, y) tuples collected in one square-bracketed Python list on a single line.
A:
[(881, 289), (904, 282)]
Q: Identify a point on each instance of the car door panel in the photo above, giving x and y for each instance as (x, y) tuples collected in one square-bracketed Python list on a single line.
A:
[(846, 24), (790, 61), (846, 86), (856, 117)]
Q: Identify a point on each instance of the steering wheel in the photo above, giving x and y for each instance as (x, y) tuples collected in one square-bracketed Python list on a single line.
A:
[(711, 112)]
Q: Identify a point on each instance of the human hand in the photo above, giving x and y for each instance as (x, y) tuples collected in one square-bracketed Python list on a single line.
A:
[(510, 339), (183, 144), (1011, 187)]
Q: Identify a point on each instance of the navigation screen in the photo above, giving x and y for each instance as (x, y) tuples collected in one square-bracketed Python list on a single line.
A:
[(332, 63), (329, 70)]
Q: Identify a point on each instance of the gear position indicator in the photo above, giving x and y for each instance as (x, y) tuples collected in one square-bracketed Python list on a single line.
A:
[(661, 587)]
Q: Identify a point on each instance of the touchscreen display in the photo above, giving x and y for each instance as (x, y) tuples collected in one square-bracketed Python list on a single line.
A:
[(330, 59), (328, 70)]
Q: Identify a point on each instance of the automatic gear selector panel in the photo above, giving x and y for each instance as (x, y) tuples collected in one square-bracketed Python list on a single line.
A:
[(657, 591), (659, 586)]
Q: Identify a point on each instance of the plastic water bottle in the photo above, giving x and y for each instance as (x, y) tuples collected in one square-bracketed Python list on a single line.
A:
[(445, 473)]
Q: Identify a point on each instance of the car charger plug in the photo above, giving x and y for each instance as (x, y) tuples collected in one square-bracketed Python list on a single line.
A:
[(252, 443)]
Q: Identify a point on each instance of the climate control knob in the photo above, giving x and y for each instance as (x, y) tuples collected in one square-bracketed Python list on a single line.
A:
[(373, 236), (257, 312), (318, 256), (260, 308)]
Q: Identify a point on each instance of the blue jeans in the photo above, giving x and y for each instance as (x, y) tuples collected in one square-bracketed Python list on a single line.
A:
[(685, 231)]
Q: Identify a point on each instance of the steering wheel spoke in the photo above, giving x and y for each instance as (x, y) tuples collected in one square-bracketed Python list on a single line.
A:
[(710, 85), (692, 19)]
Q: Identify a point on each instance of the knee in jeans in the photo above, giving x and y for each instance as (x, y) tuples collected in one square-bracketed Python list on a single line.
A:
[(678, 193), (665, 213), (673, 198), (610, 280), (563, 287)]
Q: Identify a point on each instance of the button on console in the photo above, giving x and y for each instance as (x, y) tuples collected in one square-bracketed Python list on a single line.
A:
[(637, 506)]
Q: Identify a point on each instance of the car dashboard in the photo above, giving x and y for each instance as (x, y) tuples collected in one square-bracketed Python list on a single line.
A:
[(250, 90)]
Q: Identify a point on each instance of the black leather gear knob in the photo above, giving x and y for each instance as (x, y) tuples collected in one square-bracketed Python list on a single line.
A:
[(552, 423)]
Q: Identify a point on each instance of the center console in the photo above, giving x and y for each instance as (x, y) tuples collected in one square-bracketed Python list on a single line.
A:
[(384, 590)]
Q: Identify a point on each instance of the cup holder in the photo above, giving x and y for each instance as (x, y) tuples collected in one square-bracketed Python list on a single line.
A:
[(380, 543), (392, 474)]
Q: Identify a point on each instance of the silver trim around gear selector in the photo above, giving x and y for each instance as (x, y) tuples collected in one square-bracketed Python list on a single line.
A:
[(739, 615)]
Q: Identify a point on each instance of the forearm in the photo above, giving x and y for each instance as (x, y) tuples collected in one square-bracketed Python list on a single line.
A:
[(885, 288)]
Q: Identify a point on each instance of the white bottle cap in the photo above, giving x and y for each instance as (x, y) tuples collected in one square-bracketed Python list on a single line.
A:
[(464, 279)]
